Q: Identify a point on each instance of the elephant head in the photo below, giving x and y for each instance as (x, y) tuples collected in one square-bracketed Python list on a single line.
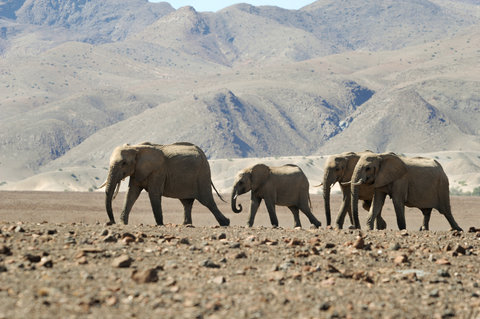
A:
[(378, 170), (249, 179), (125, 161), (334, 171)]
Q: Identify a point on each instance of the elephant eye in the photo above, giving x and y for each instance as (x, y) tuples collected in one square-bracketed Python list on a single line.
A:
[(124, 163), (367, 169), (337, 169)]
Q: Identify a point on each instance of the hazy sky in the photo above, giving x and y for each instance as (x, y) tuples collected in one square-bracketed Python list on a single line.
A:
[(215, 5)]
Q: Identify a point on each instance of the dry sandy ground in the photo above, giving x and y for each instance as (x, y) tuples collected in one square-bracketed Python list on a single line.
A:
[(59, 259)]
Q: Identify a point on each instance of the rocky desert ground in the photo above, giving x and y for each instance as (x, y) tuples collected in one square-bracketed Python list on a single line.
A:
[(59, 259)]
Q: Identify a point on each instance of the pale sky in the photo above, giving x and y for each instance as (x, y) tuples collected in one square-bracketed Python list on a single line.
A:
[(215, 5)]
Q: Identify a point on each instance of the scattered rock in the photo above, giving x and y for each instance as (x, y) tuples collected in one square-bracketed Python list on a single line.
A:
[(146, 276), (443, 261), (46, 262), (5, 250), (209, 264), (219, 280), (400, 259), (359, 243), (123, 261)]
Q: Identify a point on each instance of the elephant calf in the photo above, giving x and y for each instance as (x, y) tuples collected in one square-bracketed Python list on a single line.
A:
[(285, 186)]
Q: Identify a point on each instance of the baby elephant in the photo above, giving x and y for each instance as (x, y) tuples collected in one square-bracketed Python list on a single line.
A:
[(285, 186)]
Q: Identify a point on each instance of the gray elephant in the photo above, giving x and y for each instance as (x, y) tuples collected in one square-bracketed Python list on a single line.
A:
[(284, 186), (179, 170), (414, 182), (339, 168)]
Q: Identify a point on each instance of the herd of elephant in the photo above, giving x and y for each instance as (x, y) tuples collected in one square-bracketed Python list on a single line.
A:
[(181, 170)]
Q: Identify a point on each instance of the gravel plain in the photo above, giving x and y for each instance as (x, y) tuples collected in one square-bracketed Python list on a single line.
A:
[(59, 259)]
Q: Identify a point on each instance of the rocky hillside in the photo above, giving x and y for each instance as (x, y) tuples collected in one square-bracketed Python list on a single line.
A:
[(80, 77)]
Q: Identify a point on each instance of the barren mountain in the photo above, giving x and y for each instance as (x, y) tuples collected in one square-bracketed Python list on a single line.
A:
[(80, 77)]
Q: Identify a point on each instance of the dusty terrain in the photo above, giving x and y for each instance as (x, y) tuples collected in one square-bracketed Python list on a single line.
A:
[(59, 259)]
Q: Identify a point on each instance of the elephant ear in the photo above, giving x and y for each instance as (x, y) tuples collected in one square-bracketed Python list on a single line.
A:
[(391, 168), (148, 160), (260, 174)]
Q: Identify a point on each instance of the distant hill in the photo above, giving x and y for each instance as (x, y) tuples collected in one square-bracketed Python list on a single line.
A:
[(80, 77)]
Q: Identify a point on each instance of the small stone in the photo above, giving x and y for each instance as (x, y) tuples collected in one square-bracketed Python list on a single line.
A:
[(222, 236), (359, 243), (82, 260), (33, 258), (443, 273), (234, 245), (110, 239), (442, 261), (324, 306), (19, 229), (111, 301), (124, 261), (5, 250), (395, 246), (209, 264), (400, 259), (146, 276), (459, 249), (51, 231), (46, 262), (241, 255), (104, 232), (295, 242), (219, 280), (184, 241), (329, 245), (434, 293)]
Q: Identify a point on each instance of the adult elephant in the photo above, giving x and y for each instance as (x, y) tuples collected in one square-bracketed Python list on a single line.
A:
[(284, 186), (339, 168), (179, 170), (413, 182)]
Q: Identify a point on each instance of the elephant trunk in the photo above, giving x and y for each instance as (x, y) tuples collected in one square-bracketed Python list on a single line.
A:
[(234, 202), (110, 190), (328, 181), (355, 185)]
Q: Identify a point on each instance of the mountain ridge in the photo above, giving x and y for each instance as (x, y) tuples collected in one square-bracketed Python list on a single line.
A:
[(245, 81)]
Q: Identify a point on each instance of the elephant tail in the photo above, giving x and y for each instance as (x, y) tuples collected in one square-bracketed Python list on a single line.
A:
[(220, 196)]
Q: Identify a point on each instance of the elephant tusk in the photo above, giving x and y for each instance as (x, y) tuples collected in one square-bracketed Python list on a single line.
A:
[(117, 189), (360, 182), (346, 183), (235, 196), (319, 185), (103, 185)]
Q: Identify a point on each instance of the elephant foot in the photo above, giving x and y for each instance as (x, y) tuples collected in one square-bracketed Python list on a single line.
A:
[(225, 222), (110, 223), (423, 228)]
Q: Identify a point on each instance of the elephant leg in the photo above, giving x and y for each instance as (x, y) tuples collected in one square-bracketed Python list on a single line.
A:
[(156, 202), (271, 212), (376, 208), (344, 209), (130, 199), (296, 216), (254, 204), (313, 220), (399, 212), (187, 210), (381, 223), (207, 200), (426, 218), (448, 215)]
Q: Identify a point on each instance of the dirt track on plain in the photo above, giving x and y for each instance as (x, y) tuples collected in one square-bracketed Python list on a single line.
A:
[(58, 258)]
